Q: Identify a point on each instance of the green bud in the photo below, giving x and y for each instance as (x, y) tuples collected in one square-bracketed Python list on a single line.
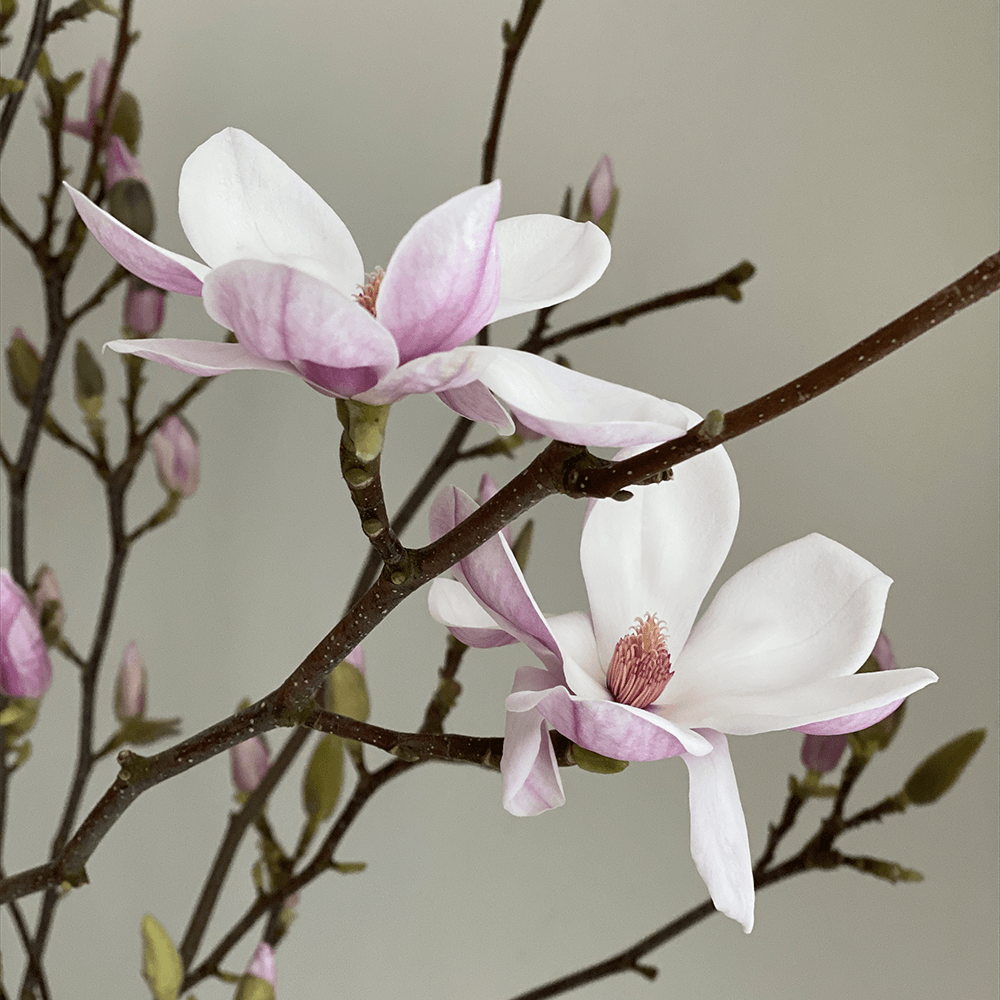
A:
[(346, 692), (364, 427), (522, 544), (127, 122), (877, 737), (18, 717), (596, 763), (888, 870), (89, 381), (24, 365), (253, 988), (139, 731), (130, 202), (323, 779), (942, 769), (161, 964), (349, 867)]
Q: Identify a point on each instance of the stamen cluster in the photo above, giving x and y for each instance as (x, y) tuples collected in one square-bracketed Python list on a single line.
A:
[(369, 292), (640, 666)]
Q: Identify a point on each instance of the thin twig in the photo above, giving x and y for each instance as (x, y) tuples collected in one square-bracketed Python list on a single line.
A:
[(29, 58)]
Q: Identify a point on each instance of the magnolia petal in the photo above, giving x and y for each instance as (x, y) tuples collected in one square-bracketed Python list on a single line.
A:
[(454, 607), (582, 667), (608, 728), (475, 402), (442, 282), (146, 260), (493, 577), (828, 705), (199, 357), (808, 610), (237, 200), (659, 552), (570, 406), (441, 372), (531, 780), (286, 315), (719, 843), (545, 259)]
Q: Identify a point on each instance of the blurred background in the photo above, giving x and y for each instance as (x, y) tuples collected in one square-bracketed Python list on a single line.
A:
[(849, 151)]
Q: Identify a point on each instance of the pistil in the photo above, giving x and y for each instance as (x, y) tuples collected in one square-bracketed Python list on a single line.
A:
[(640, 666)]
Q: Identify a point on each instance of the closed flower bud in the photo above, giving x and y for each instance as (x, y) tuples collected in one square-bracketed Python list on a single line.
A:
[(130, 202), (48, 605), (89, 379), (120, 164), (23, 366), (177, 456), (942, 769), (345, 691), (249, 762), (823, 753), (144, 309), (25, 668), (600, 199), (260, 979), (130, 685), (161, 964), (99, 75)]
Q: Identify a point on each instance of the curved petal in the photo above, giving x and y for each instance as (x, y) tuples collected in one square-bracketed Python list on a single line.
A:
[(237, 200), (454, 607), (606, 727), (719, 843), (585, 674), (146, 260), (531, 780), (659, 552), (495, 580), (441, 372), (808, 610), (828, 705), (545, 259), (442, 281), (199, 357), (287, 315), (476, 402), (570, 406)]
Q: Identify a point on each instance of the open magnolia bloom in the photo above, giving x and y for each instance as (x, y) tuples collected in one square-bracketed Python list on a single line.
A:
[(638, 679), (283, 273)]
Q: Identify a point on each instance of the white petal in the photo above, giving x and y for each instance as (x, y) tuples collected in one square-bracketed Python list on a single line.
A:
[(584, 672), (453, 606), (199, 357), (659, 552), (545, 259), (808, 610), (719, 843), (476, 402), (238, 201)]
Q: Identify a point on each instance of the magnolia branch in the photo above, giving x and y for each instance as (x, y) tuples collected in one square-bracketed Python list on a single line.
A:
[(559, 468)]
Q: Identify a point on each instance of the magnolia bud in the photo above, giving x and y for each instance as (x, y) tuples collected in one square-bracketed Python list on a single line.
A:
[(596, 763), (130, 685), (24, 365), (600, 199), (942, 769), (161, 964), (260, 979), (823, 753), (89, 380), (130, 202), (25, 668), (249, 762), (177, 456), (47, 602), (99, 75), (120, 164), (144, 309)]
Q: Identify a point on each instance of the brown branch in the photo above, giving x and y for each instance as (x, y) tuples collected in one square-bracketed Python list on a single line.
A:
[(29, 58)]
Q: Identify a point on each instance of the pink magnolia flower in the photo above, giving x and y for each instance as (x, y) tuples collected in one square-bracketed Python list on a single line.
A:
[(638, 679), (130, 685), (283, 273), (25, 668), (98, 84), (177, 457)]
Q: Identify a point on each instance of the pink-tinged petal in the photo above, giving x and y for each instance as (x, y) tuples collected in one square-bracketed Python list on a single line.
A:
[(659, 552), (146, 260), (438, 373), (454, 607), (475, 402), (582, 668), (287, 315), (607, 727), (719, 843), (808, 610), (493, 577), (442, 282), (545, 259), (845, 724), (531, 780), (25, 667), (237, 200), (199, 357), (570, 406)]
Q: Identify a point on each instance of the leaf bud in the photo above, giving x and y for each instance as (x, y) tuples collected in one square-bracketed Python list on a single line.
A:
[(24, 365), (89, 380), (161, 964), (323, 779), (130, 202), (346, 691), (942, 769), (127, 121), (596, 763)]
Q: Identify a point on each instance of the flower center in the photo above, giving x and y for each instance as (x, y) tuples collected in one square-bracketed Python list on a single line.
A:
[(640, 666), (369, 291)]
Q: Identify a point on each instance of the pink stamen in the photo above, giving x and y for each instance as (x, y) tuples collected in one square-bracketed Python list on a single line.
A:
[(640, 667), (369, 292)]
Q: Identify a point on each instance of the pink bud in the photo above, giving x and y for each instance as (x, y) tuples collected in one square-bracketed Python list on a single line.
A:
[(823, 753), (120, 164), (99, 75), (25, 669), (144, 308), (130, 685), (356, 658), (47, 599), (600, 186), (177, 457), (262, 964), (249, 762)]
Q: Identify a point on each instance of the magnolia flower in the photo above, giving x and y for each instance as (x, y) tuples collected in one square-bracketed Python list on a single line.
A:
[(25, 668), (637, 679), (283, 273)]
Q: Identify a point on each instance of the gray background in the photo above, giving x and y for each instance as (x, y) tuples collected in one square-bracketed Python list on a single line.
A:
[(850, 151)]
